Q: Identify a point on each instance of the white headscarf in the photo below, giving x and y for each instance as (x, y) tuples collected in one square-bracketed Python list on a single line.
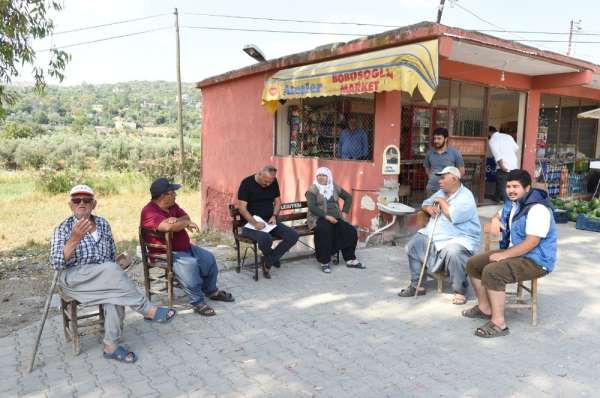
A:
[(325, 190)]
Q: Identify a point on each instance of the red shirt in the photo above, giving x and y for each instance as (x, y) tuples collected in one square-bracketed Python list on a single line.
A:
[(152, 216)]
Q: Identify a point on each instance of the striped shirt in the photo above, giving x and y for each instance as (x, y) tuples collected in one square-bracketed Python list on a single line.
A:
[(90, 250)]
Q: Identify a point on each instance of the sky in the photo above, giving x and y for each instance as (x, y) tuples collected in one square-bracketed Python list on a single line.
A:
[(205, 53)]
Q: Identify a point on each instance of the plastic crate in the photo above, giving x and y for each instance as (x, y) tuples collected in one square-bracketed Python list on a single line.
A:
[(587, 224), (561, 216)]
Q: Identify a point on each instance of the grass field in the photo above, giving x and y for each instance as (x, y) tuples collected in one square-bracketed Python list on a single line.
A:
[(28, 217)]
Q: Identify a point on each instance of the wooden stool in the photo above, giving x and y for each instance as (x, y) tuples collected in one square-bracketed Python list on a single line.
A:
[(520, 301), (74, 325)]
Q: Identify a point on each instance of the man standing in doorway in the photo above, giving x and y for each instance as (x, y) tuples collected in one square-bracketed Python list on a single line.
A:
[(440, 156), (504, 150)]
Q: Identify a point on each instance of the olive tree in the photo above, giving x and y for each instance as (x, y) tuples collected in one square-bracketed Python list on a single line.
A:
[(21, 23)]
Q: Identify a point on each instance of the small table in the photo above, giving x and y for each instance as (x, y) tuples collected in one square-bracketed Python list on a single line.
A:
[(395, 209)]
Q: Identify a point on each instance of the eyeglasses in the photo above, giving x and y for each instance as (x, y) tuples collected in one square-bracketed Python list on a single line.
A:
[(77, 201)]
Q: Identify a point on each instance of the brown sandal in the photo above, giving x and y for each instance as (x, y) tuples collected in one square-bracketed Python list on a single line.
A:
[(475, 312), (204, 310), (491, 330)]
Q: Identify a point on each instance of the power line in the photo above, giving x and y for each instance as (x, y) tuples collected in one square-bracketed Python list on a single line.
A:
[(311, 21), (501, 29), (561, 41), (455, 2), (109, 24), (536, 32), (104, 39), (273, 31)]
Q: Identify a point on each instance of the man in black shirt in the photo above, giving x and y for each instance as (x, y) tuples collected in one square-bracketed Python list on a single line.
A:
[(259, 196)]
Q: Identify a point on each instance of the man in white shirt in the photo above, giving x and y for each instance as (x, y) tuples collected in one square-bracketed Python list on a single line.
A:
[(527, 251), (505, 150)]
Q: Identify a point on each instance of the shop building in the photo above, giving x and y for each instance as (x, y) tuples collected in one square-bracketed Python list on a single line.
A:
[(396, 88)]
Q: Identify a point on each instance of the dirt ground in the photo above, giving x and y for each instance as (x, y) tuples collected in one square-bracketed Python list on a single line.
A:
[(25, 278), (24, 282)]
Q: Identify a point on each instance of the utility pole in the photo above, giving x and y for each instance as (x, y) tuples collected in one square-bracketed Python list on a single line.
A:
[(574, 26), (179, 102), (440, 11)]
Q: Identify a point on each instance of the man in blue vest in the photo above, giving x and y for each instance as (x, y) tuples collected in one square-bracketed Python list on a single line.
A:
[(527, 251)]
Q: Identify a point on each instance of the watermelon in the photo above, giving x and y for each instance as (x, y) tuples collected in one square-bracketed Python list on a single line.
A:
[(572, 215)]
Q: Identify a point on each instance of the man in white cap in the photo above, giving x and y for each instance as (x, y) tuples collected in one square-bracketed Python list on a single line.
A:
[(84, 251), (455, 238)]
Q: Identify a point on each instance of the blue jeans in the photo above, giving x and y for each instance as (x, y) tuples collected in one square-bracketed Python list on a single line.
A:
[(197, 272)]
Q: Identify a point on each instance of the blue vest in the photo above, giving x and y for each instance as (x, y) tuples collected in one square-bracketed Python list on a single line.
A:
[(544, 254)]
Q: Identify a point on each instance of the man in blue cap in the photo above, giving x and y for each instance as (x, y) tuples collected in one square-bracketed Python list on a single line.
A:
[(195, 268)]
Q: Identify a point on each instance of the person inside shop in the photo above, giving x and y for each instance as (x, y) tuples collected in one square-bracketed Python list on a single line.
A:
[(456, 236), (259, 203), (505, 152), (354, 143), (441, 155), (527, 251), (329, 222)]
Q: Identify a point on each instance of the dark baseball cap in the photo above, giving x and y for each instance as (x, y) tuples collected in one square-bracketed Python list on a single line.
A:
[(161, 186)]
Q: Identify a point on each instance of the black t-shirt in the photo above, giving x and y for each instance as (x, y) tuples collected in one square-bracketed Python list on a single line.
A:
[(260, 200)]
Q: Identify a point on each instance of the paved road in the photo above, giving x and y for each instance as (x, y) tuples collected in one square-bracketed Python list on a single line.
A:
[(347, 334)]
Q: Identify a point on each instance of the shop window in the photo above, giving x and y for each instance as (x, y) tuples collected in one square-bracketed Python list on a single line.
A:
[(563, 143), (568, 126), (548, 125), (336, 127), (467, 104), (561, 132)]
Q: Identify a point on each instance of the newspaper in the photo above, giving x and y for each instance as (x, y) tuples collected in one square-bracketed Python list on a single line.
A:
[(268, 227)]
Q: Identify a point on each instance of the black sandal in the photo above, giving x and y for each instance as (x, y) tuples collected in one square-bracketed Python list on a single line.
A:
[(204, 310), (491, 330), (410, 292)]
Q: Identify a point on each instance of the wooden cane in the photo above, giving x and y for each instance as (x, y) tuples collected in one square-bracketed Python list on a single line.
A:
[(427, 253), (43, 320)]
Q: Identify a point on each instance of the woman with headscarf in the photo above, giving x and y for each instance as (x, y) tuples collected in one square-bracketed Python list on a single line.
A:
[(332, 232)]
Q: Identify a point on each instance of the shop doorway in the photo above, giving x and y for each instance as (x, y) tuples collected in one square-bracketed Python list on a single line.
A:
[(506, 112)]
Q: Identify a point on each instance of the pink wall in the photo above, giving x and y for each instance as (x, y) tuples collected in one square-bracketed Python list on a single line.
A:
[(237, 141)]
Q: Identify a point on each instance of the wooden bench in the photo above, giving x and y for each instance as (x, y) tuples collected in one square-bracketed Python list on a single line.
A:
[(519, 300), (293, 213), (75, 324)]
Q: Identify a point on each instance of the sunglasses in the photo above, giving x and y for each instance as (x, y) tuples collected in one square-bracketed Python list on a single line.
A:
[(77, 201)]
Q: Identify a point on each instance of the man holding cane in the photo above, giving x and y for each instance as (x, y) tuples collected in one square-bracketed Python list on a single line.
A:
[(454, 239), (83, 250)]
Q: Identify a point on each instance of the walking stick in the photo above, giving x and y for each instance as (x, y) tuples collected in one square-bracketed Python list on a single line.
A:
[(427, 252), (43, 320)]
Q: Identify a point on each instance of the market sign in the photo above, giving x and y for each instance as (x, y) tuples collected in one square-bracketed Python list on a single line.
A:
[(394, 69)]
